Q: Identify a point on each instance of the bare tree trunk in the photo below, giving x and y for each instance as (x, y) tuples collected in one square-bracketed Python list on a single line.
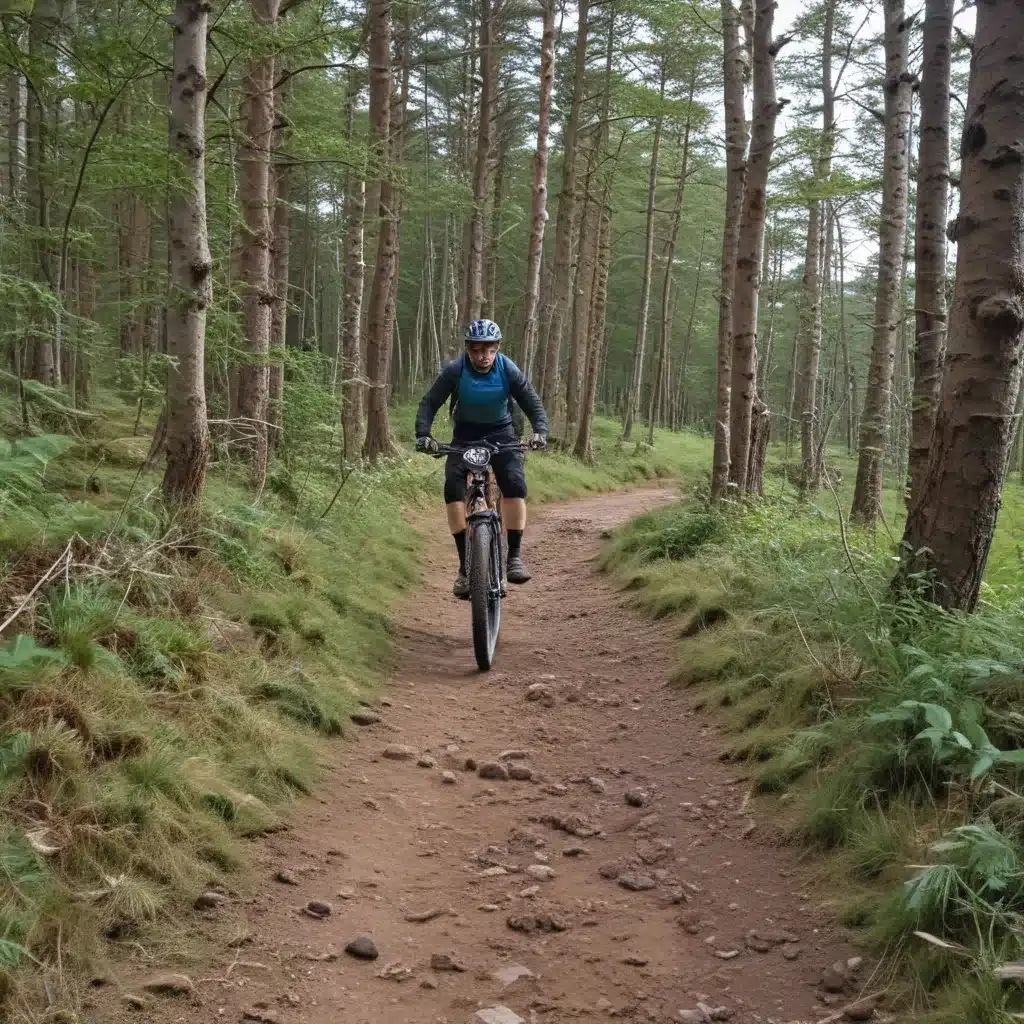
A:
[(874, 426), (280, 261), (540, 188), (750, 251), (670, 251), (640, 346), (559, 311), (688, 341), (380, 329), (736, 149), (953, 514), (490, 11), (930, 241), (584, 447), (17, 102), (351, 338), (258, 296), (191, 285)]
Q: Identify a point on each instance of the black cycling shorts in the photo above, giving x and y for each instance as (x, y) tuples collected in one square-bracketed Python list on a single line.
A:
[(509, 468)]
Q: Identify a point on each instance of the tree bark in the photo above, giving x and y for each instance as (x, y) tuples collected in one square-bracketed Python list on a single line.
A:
[(682, 399), (490, 10), (257, 292), (640, 346), (584, 447), (559, 311), (191, 284), (953, 514), (736, 149), (380, 329), (280, 260), (539, 216), (874, 427), (930, 235), (355, 272), (750, 250)]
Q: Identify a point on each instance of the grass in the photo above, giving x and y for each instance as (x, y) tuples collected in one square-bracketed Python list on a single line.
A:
[(891, 730), (159, 705)]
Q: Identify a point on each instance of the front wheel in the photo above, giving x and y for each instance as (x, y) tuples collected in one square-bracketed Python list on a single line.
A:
[(484, 592)]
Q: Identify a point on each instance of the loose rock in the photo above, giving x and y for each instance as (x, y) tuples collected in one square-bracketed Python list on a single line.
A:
[(261, 1015), (134, 1002), (541, 872), (400, 752), (426, 762), (497, 1015), (506, 976), (319, 909), (449, 778), (493, 770), (447, 962), (834, 978), (520, 772), (170, 985), (362, 948), (862, 1010), (637, 797), (286, 878), (542, 922), (424, 916), (538, 691), (210, 901), (365, 717), (597, 785), (636, 882)]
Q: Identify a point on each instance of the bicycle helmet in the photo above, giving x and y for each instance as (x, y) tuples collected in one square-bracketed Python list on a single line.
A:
[(486, 331)]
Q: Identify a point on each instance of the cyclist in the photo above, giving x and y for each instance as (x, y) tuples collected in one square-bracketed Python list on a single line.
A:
[(481, 384)]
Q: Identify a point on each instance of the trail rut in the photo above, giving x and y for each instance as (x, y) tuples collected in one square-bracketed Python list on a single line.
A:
[(627, 878)]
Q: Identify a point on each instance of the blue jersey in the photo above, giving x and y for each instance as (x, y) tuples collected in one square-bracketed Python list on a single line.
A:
[(481, 399)]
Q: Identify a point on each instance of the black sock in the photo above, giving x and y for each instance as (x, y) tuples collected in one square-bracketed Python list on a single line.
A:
[(515, 539), (460, 543)]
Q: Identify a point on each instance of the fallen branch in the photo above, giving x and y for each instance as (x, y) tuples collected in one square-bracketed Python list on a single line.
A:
[(36, 392), (65, 557)]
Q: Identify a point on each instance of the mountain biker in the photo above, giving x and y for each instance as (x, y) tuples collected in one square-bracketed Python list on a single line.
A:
[(482, 384)]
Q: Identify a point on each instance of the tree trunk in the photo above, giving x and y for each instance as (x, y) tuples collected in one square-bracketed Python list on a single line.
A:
[(474, 288), (17, 102), (280, 261), (380, 329), (874, 426), (540, 189), (670, 251), (750, 250), (736, 149), (584, 447), (352, 319), (930, 235), (255, 196), (640, 346), (559, 311), (953, 514), (688, 341), (191, 284)]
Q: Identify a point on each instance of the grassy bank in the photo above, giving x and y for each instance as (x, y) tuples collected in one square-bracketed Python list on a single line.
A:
[(160, 706), (890, 730)]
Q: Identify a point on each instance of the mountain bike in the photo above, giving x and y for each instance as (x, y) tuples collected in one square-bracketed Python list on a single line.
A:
[(485, 547)]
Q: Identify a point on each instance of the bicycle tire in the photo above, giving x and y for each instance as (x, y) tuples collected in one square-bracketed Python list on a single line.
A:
[(486, 610)]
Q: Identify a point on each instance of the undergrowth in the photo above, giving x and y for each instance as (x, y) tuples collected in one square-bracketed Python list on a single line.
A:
[(892, 729), (161, 701)]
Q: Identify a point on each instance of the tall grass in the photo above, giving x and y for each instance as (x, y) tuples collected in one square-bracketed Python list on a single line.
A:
[(894, 727)]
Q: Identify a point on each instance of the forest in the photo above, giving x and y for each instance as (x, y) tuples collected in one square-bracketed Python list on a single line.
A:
[(770, 249)]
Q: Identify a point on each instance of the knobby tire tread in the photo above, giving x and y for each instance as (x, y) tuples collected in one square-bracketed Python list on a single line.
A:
[(479, 587)]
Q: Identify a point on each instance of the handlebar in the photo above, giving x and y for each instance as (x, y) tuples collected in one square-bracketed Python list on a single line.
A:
[(494, 447)]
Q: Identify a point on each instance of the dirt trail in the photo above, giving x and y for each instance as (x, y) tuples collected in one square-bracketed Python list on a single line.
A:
[(390, 841)]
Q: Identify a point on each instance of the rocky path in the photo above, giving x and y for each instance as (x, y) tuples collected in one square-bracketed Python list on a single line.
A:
[(555, 841)]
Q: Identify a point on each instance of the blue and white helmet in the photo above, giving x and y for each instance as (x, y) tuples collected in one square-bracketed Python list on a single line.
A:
[(483, 331)]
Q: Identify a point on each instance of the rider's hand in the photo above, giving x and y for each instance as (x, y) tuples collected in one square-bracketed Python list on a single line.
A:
[(538, 441), (426, 444)]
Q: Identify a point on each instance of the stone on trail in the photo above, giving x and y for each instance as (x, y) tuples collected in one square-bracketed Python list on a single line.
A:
[(169, 985), (636, 882), (362, 948), (364, 716), (493, 770), (496, 1015), (400, 752), (319, 909), (447, 962), (506, 976)]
